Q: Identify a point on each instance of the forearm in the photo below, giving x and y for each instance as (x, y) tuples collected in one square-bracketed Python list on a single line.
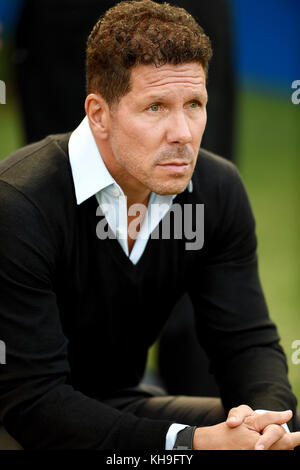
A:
[(257, 376), (66, 419)]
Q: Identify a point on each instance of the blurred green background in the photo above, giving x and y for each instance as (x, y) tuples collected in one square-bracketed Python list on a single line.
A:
[(267, 152)]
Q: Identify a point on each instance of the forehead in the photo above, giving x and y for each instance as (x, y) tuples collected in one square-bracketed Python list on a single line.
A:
[(148, 78)]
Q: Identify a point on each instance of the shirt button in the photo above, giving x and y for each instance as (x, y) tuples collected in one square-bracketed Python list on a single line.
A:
[(120, 232), (116, 192)]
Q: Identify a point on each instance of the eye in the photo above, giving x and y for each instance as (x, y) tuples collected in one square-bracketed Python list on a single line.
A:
[(154, 107), (195, 104)]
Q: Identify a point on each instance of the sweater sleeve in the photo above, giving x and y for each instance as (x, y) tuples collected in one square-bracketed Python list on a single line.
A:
[(232, 317), (38, 405)]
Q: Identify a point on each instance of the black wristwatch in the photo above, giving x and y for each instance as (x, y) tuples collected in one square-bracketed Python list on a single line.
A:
[(184, 440)]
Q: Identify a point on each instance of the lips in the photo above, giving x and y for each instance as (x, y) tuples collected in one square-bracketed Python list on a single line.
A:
[(174, 163), (175, 167)]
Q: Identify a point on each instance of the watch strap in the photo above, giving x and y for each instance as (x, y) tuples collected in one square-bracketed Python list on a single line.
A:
[(185, 437)]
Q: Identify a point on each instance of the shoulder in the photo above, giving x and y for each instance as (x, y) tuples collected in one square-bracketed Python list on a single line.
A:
[(218, 185), (36, 184), (214, 173), (40, 171), (31, 166)]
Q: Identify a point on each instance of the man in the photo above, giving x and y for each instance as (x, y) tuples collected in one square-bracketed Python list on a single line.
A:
[(88, 277), (66, 53)]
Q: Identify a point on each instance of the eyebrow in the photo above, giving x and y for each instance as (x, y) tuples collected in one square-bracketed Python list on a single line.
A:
[(164, 97)]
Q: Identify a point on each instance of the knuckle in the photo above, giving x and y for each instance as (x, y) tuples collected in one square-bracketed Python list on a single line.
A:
[(267, 420), (268, 430), (246, 408), (276, 430)]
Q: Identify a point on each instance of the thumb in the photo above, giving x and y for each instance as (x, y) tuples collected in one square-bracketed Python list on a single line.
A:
[(237, 415)]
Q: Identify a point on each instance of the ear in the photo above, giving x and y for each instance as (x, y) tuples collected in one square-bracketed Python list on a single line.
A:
[(97, 111)]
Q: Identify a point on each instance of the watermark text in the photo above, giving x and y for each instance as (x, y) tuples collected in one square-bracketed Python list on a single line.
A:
[(296, 94), (2, 352), (2, 92), (158, 221), (296, 354)]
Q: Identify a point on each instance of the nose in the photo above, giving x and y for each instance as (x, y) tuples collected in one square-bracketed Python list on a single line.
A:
[(178, 131)]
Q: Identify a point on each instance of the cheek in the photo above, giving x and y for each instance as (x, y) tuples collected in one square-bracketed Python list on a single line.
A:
[(199, 128), (130, 132), (129, 150), (137, 141)]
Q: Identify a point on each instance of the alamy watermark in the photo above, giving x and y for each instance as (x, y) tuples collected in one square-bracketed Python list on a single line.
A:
[(2, 92), (2, 352), (176, 222), (296, 354), (296, 94)]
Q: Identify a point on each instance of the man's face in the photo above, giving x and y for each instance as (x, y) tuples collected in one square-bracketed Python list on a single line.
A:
[(157, 127)]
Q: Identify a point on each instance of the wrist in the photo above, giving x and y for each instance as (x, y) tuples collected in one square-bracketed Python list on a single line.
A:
[(206, 438), (200, 438), (185, 439)]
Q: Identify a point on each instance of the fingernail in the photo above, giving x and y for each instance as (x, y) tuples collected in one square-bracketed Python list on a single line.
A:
[(260, 447)]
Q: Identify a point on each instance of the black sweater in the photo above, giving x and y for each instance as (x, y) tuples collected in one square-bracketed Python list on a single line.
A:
[(77, 317)]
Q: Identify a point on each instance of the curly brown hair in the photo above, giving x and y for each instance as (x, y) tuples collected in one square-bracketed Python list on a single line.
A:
[(140, 32)]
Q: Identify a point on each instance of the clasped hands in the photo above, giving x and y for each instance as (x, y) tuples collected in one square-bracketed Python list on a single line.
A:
[(245, 429)]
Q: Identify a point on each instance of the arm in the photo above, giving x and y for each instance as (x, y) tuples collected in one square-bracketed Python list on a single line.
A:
[(231, 315), (38, 405)]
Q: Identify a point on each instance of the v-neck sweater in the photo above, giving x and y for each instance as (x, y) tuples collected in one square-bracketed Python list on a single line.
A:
[(77, 316)]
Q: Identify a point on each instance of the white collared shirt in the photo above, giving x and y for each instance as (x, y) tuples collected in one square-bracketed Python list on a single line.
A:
[(92, 178)]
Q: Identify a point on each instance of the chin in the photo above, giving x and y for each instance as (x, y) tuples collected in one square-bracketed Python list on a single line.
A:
[(169, 189)]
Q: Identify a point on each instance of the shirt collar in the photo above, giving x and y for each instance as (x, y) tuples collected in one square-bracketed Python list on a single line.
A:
[(89, 171)]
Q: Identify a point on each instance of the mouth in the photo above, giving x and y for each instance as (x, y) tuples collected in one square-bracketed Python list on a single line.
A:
[(175, 166)]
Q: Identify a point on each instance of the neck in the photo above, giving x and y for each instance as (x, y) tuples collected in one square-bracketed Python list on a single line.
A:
[(135, 218)]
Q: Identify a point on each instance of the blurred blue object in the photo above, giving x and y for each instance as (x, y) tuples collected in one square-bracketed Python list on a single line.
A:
[(267, 41), (9, 14)]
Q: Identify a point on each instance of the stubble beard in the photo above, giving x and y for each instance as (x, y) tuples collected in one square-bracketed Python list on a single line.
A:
[(174, 184)]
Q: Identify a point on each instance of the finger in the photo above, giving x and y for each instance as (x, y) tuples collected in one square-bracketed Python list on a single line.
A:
[(261, 421), (287, 442), (237, 415), (271, 435), (295, 439)]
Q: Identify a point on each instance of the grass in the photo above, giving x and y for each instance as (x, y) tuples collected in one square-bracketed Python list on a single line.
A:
[(267, 156)]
